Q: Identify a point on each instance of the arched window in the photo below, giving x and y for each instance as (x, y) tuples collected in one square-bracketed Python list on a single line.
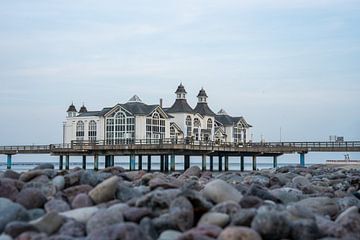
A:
[(197, 126), (209, 124), (80, 130), (188, 123), (92, 130), (197, 123), (238, 130), (155, 126), (120, 128)]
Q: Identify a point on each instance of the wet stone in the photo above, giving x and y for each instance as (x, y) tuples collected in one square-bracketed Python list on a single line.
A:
[(31, 198)]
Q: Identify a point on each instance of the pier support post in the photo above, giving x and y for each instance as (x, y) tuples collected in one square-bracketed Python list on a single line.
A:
[(254, 163), (9, 161), (186, 161), (211, 163), (203, 162), (67, 162), (161, 163), (275, 162), (220, 163), (107, 161), (242, 165), (96, 162), (112, 160), (84, 161), (166, 163), (226, 163), (132, 162), (61, 162), (149, 163), (172, 162), (302, 159), (140, 162)]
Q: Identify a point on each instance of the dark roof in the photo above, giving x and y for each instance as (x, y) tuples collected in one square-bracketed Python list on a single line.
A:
[(204, 110), (138, 108), (95, 113), (227, 120), (202, 93), (180, 89), (71, 108), (82, 109), (180, 106)]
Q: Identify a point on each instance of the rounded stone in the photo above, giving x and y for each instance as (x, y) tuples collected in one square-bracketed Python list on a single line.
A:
[(301, 181), (89, 177), (81, 214), (350, 220), (169, 235), (8, 189), (243, 217), (49, 223), (134, 214), (15, 228), (239, 233), (123, 231), (105, 191), (81, 200), (36, 213), (214, 218), (228, 207), (103, 218), (219, 191), (73, 228), (304, 229), (182, 213), (45, 166), (192, 171), (56, 205), (11, 174), (31, 198), (59, 182), (72, 192)]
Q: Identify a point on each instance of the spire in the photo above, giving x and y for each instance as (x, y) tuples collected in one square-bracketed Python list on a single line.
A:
[(181, 92), (83, 109), (202, 96), (71, 108)]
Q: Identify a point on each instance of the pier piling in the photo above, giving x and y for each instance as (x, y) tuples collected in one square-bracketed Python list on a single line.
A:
[(67, 162), (149, 163), (132, 162), (242, 167), (166, 163), (84, 161), (211, 163), (302, 159), (140, 162), (96, 162), (220, 163), (61, 162), (203, 162), (275, 162), (254, 163), (172, 162), (186, 161), (226, 163), (9, 161)]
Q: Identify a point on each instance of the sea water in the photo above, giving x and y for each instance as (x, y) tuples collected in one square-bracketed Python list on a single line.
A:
[(23, 162)]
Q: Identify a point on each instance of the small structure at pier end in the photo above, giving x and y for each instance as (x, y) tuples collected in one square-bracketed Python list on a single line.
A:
[(134, 120)]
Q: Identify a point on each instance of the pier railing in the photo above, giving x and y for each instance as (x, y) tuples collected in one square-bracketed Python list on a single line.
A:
[(186, 143)]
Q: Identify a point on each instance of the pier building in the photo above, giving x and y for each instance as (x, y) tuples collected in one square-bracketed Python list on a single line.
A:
[(137, 121)]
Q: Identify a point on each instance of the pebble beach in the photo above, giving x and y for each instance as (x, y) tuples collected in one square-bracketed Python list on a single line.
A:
[(291, 202)]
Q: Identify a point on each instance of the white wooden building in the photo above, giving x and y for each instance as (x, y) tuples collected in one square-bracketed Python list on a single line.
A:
[(134, 121)]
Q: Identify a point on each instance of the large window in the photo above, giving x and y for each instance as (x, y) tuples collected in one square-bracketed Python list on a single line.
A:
[(209, 124), (238, 133), (92, 130), (80, 131), (155, 127), (197, 128), (120, 128), (188, 123)]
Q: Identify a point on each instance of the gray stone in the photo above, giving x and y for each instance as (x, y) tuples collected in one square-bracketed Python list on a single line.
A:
[(8, 189), (134, 214), (158, 200), (214, 218), (219, 191), (45, 166), (350, 221), (11, 174), (261, 192), (123, 231), (259, 179), (287, 195), (47, 189), (192, 171), (182, 213), (239, 233), (228, 207), (148, 228), (81, 214), (5, 237), (81, 200), (304, 229), (320, 205), (56, 205), (301, 181), (36, 213), (89, 177), (10, 211), (169, 235), (73, 228), (105, 191), (251, 202), (49, 223), (31, 198), (270, 223), (103, 218), (72, 192), (15, 228), (59, 182), (243, 217), (73, 178), (126, 192)]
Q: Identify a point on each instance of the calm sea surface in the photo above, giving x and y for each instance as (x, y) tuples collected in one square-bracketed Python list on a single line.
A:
[(25, 162)]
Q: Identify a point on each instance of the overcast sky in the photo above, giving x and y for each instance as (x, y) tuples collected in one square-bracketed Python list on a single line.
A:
[(293, 65)]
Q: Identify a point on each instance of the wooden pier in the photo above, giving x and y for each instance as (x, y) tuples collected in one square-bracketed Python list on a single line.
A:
[(167, 149)]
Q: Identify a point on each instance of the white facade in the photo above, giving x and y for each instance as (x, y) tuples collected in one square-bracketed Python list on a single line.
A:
[(135, 121)]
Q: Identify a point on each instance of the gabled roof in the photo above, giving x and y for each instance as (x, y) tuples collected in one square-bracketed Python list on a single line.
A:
[(172, 124), (138, 108), (204, 110), (226, 120), (180, 106)]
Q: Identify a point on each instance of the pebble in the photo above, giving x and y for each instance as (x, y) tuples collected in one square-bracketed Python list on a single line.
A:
[(49, 223), (81, 200), (10, 211), (31, 198), (59, 182), (214, 218), (182, 213), (56, 205), (15, 228), (103, 218), (169, 235), (105, 191), (219, 191), (81, 214), (123, 231), (239, 233), (8, 189)]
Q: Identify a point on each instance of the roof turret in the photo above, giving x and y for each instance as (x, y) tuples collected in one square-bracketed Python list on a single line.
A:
[(83, 109), (180, 89), (202, 93), (135, 99), (71, 108)]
